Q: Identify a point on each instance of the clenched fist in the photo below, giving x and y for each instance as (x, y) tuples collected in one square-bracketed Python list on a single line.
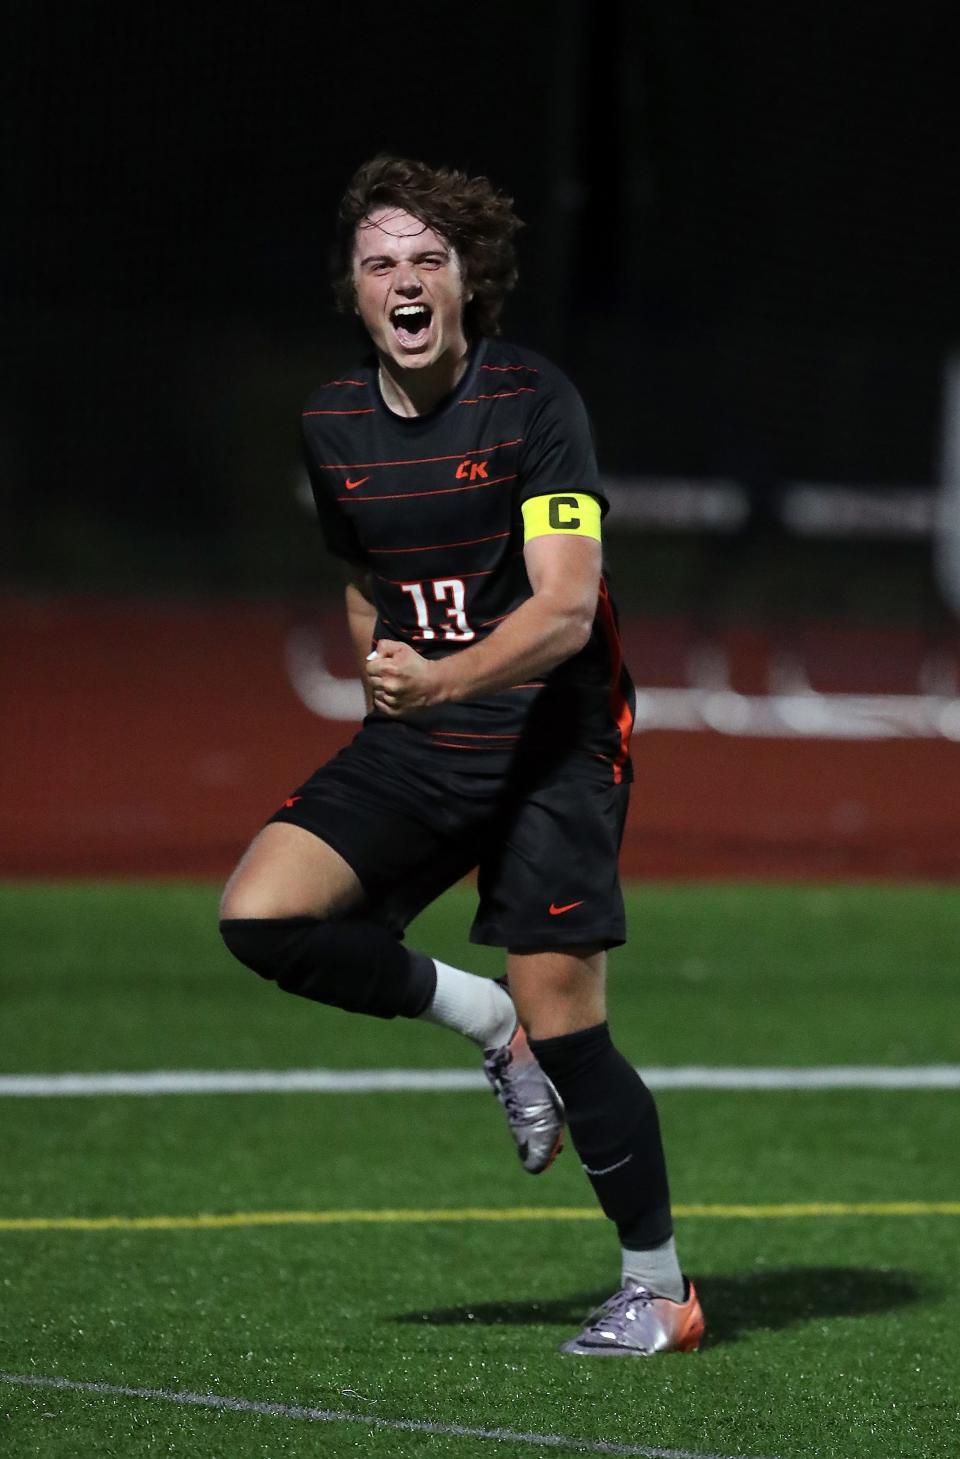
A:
[(401, 679)]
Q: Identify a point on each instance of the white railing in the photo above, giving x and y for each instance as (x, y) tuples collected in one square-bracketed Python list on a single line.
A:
[(797, 711)]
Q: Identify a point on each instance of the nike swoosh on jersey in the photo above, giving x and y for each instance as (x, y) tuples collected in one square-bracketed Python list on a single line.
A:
[(556, 911), (352, 485)]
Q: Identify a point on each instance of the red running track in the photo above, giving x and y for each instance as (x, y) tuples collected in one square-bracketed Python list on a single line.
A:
[(151, 737)]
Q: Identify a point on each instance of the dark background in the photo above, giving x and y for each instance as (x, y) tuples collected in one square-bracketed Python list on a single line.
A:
[(740, 241)]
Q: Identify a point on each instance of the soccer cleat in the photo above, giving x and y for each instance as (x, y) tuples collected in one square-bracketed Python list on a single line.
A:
[(533, 1107), (636, 1324)]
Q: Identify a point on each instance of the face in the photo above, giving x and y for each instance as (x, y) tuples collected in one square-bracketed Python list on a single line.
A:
[(409, 290)]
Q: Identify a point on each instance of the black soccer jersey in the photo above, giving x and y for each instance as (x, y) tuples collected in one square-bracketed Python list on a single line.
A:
[(431, 505)]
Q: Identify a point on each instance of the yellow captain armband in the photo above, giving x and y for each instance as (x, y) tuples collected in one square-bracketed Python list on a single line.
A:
[(561, 514)]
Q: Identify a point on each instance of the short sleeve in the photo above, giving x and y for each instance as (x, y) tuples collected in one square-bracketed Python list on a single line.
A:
[(338, 532), (557, 453)]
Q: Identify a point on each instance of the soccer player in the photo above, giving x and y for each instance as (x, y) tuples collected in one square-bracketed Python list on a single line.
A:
[(455, 481)]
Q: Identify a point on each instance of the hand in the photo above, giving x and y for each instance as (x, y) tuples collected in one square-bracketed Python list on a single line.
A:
[(401, 679)]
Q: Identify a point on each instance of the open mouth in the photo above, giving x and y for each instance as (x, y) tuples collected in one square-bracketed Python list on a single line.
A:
[(411, 323)]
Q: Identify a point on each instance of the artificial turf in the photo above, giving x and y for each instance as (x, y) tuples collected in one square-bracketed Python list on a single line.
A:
[(828, 1336)]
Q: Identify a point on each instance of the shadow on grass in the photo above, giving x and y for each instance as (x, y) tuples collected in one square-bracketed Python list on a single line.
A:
[(733, 1305)]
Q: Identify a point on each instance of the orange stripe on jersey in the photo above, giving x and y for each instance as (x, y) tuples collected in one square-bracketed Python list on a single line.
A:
[(345, 382), (467, 735), (504, 369), (619, 708), (449, 745), (368, 411), (501, 394), (399, 496), (413, 460), (398, 582), (440, 546)]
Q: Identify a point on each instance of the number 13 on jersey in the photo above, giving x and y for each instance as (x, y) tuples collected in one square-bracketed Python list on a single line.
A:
[(451, 593)]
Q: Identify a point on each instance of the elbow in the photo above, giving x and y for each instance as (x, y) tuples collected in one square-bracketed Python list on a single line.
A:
[(569, 619), (579, 626)]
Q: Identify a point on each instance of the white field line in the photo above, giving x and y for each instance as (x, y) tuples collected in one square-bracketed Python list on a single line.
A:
[(340, 1416), (435, 1081)]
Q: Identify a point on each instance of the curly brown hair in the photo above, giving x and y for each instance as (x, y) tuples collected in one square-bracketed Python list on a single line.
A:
[(467, 212)]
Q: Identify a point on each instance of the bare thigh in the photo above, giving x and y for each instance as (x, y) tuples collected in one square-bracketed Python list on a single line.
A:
[(558, 992), (288, 872)]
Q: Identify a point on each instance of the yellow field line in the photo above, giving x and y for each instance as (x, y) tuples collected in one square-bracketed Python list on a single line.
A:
[(465, 1213)]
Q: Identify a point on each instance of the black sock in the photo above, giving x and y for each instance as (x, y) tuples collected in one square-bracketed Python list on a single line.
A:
[(613, 1124), (350, 964)]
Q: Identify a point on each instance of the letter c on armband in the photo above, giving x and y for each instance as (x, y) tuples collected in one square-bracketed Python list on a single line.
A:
[(573, 514)]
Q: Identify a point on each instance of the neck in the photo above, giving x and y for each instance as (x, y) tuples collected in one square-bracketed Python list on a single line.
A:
[(417, 392)]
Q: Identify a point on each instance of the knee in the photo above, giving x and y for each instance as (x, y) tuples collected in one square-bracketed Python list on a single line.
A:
[(558, 995), (266, 945)]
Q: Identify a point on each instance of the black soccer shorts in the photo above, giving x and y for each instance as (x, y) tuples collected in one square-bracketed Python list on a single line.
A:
[(544, 839)]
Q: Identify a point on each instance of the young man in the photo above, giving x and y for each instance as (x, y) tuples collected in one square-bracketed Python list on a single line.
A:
[(455, 479)]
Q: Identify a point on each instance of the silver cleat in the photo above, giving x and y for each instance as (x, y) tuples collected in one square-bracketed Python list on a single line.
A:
[(533, 1107), (634, 1323)]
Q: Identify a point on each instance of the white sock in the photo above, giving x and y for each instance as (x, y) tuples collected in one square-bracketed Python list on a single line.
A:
[(657, 1269), (474, 1006)]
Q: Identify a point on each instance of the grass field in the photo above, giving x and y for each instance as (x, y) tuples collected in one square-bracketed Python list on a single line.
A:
[(372, 1294)]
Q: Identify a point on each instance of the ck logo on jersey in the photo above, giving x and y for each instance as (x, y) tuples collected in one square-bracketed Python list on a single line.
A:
[(472, 471)]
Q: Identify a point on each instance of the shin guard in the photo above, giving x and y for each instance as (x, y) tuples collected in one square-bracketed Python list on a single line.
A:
[(350, 964), (614, 1127)]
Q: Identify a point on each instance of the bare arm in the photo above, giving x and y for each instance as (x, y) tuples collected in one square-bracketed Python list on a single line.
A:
[(549, 627), (361, 619)]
